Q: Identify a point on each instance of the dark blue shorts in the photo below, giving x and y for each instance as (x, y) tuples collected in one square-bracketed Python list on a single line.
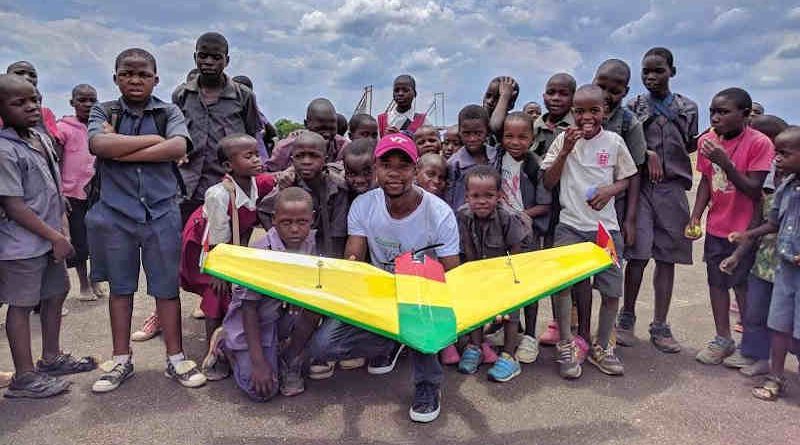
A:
[(715, 250), (120, 246)]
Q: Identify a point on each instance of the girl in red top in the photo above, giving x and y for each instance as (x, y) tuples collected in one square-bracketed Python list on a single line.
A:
[(215, 222), (402, 117)]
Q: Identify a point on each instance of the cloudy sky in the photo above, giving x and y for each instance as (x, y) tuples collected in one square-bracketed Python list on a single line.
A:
[(296, 51)]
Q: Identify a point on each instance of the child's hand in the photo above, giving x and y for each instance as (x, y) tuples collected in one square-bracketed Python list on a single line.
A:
[(220, 287), (263, 380), (571, 136), (183, 160), (654, 167), (738, 237), (728, 265), (693, 231), (507, 85), (601, 198), (108, 129), (285, 178), (62, 248), (715, 152), (501, 318)]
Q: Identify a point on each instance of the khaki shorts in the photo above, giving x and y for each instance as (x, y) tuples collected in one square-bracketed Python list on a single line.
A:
[(25, 283)]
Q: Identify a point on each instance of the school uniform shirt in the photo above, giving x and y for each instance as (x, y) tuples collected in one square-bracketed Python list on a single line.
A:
[(544, 134), (730, 209), (30, 174), (670, 129), (494, 236), (631, 130), (77, 163), (785, 213), (142, 191), (217, 207), (269, 309), (457, 167), (235, 111), (281, 158), (595, 162), (510, 171), (330, 212), (397, 119), (524, 178), (432, 222)]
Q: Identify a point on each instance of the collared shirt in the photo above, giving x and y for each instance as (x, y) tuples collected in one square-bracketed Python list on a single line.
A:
[(494, 236), (330, 214), (282, 153), (141, 191), (785, 213), (457, 167), (631, 131), (217, 209), (673, 141), (595, 162), (269, 309), (235, 111), (77, 164), (27, 173), (544, 134)]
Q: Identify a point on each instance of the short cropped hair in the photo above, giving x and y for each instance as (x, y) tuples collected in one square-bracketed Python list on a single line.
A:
[(739, 96), (482, 172), (473, 112), (135, 52)]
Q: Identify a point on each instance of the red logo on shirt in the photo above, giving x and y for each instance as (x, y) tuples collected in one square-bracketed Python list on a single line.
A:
[(602, 158)]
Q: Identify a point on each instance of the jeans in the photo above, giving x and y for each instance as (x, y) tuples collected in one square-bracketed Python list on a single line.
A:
[(335, 341), (755, 339)]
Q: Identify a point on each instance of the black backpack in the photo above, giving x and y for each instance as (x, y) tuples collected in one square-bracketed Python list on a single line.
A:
[(113, 110)]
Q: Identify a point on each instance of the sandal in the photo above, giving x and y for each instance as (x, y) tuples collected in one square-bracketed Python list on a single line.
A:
[(65, 363), (35, 385), (771, 389)]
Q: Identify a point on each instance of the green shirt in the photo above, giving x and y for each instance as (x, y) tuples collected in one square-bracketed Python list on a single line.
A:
[(766, 260)]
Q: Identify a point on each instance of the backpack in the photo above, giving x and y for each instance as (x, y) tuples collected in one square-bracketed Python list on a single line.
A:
[(113, 110)]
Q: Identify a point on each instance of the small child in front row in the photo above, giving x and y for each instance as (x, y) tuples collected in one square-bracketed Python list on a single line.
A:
[(753, 357), (734, 160), (358, 162), (255, 324), (33, 244), (481, 224), (524, 192), (784, 217), (592, 166), (241, 188), (427, 139), (432, 174)]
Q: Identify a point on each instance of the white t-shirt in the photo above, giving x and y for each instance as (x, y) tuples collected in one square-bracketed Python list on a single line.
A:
[(593, 163), (433, 222), (396, 119), (511, 172)]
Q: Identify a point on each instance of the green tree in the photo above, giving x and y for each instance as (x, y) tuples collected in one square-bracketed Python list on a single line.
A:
[(285, 126)]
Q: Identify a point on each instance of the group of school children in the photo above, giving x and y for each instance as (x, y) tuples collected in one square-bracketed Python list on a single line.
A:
[(139, 182)]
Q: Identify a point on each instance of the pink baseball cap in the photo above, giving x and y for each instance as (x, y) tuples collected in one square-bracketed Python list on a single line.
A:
[(397, 141)]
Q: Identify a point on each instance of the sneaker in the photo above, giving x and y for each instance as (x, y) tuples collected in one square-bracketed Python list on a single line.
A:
[(606, 360), (113, 376), (291, 378), (425, 407), (716, 351), (87, 295), (449, 355), (505, 368), (215, 366), (321, 371), (489, 354), (583, 348), (737, 360), (661, 337), (550, 336), (35, 385), (625, 324), (528, 350), (186, 373), (759, 367), (471, 358), (567, 358), (385, 365), (5, 378), (738, 327), (352, 363), (150, 329), (100, 289), (496, 338)]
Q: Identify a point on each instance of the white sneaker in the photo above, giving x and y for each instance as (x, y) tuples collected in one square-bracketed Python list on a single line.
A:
[(528, 349), (321, 371)]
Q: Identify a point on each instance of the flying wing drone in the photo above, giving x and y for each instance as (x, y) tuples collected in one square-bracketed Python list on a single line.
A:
[(419, 305)]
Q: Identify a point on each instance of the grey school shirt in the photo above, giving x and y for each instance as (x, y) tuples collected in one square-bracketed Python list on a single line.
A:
[(234, 112), (631, 130), (785, 213), (141, 191), (27, 173), (672, 140)]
